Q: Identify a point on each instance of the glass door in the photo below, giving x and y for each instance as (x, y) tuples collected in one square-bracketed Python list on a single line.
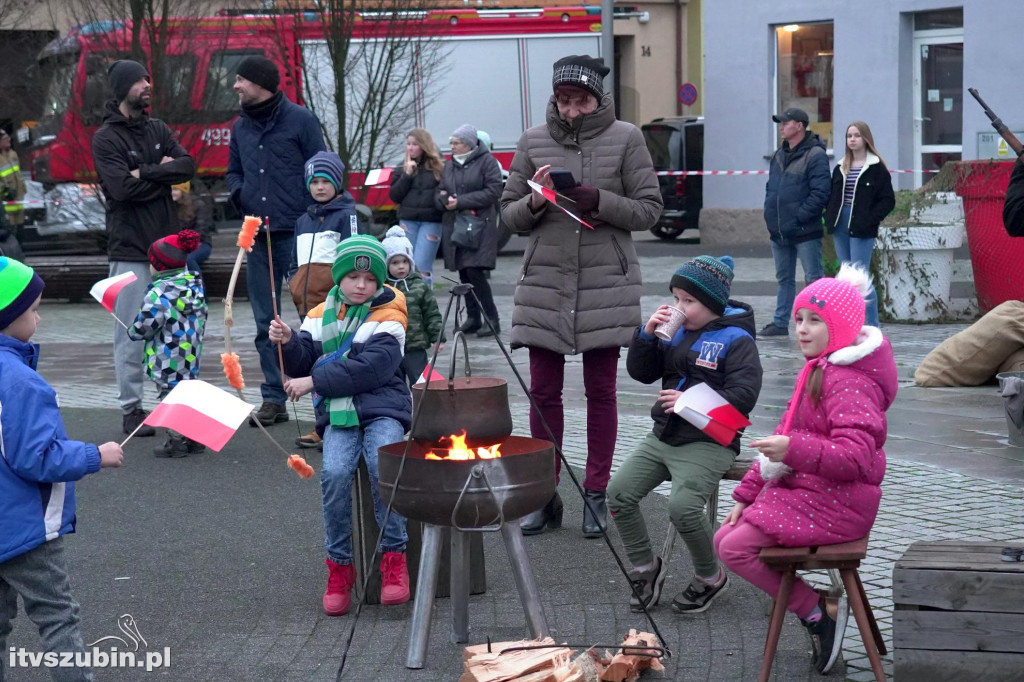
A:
[(938, 100)]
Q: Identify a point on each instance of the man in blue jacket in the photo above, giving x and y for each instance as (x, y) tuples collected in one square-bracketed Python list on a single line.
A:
[(798, 190), (270, 143)]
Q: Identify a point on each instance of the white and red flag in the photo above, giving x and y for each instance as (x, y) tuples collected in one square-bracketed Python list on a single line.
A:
[(706, 409), (553, 196), (202, 412), (106, 290), (428, 376), (378, 176)]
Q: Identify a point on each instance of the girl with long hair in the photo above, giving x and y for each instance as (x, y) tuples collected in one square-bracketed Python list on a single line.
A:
[(414, 187)]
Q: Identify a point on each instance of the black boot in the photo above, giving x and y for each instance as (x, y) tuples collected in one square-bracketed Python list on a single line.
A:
[(550, 516), (175, 446), (489, 330), (471, 325), (593, 525)]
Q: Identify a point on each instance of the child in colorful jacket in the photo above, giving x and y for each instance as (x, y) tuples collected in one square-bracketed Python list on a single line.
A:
[(348, 352), (424, 329), (38, 467), (817, 480), (171, 322)]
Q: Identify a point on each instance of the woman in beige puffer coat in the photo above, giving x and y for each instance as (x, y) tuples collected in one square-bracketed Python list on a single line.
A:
[(579, 288)]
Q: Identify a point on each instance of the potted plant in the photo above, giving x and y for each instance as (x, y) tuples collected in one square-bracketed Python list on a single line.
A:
[(913, 260)]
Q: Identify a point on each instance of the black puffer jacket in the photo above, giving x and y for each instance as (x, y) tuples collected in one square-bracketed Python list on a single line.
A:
[(415, 195), (797, 191), (1013, 209), (722, 355), (139, 210), (873, 198)]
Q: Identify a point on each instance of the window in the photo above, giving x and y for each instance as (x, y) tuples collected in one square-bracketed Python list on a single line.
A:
[(173, 91), (939, 19), (220, 103), (804, 73), (97, 89)]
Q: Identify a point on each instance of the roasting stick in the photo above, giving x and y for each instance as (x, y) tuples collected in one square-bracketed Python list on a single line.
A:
[(277, 316)]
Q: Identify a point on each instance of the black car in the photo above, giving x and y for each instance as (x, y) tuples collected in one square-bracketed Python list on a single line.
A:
[(677, 144)]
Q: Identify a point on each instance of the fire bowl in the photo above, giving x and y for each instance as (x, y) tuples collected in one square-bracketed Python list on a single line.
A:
[(469, 494)]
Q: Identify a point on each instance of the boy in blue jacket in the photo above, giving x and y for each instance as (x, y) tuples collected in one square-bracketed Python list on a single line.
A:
[(349, 353), (38, 467)]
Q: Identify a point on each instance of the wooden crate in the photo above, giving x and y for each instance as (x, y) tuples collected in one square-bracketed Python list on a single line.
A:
[(959, 613)]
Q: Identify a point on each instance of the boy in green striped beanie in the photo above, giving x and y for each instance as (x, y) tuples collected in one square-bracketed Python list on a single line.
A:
[(348, 353)]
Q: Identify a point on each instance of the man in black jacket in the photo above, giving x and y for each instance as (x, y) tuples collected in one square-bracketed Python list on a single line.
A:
[(1013, 209), (798, 189), (137, 160)]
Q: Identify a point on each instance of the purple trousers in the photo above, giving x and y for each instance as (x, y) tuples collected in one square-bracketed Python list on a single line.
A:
[(547, 376)]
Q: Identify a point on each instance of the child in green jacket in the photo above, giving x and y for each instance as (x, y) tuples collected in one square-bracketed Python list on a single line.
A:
[(424, 316)]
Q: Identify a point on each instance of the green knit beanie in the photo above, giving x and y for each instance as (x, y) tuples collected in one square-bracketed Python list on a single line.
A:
[(20, 286), (361, 252)]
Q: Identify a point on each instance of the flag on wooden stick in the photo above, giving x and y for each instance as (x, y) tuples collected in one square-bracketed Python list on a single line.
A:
[(202, 412), (553, 196), (706, 409)]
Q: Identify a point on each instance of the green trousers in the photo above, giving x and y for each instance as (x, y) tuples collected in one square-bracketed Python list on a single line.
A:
[(695, 470)]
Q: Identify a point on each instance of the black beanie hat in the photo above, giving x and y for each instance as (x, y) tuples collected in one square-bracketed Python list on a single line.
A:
[(123, 74), (261, 71), (581, 71)]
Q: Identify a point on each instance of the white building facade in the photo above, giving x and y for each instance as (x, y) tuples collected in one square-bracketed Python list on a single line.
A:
[(903, 66)]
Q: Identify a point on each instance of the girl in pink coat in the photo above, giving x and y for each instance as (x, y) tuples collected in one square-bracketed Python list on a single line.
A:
[(817, 480)]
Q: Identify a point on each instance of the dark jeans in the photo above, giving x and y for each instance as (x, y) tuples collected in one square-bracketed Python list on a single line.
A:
[(547, 376), (257, 278), (478, 278)]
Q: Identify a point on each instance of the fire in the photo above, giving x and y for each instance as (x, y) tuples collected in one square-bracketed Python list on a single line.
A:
[(459, 451)]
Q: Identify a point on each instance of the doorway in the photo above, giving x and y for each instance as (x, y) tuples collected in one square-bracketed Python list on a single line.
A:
[(938, 99)]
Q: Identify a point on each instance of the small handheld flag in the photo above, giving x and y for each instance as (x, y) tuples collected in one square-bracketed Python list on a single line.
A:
[(428, 376), (377, 176), (552, 196), (202, 412), (706, 409), (106, 290)]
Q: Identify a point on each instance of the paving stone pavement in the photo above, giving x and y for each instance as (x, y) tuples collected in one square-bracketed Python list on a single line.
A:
[(951, 475)]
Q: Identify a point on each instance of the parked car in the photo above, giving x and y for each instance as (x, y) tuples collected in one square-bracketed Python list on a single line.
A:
[(676, 143)]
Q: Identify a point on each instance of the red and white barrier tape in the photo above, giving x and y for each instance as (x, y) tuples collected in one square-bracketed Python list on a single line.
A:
[(27, 203), (761, 172)]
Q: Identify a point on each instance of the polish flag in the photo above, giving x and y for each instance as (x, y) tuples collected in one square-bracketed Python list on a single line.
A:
[(552, 196), (106, 290), (202, 412), (377, 176), (428, 376), (706, 409)]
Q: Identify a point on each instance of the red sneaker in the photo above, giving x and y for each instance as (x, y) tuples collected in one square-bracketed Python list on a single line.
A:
[(338, 595), (394, 579)]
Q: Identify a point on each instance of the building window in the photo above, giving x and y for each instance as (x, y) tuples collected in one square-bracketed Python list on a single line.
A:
[(804, 73)]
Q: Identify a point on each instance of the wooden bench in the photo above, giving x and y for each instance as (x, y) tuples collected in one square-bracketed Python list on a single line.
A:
[(845, 558), (959, 613)]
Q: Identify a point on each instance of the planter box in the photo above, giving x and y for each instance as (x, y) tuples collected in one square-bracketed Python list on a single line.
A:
[(916, 266), (946, 209)]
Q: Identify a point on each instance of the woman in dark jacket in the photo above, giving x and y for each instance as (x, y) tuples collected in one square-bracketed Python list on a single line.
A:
[(414, 189), (471, 182), (861, 197)]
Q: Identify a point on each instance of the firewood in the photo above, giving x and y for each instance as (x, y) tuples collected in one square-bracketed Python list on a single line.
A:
[(535, 665), (626, 667)]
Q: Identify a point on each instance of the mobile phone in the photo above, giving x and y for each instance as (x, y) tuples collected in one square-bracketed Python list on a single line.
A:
[(562, 179)]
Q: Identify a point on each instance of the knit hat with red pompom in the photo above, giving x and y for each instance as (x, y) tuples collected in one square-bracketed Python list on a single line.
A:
[(839, 301), (170, 252)]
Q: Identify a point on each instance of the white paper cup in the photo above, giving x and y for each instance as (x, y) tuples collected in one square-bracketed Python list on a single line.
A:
[(667, 330)]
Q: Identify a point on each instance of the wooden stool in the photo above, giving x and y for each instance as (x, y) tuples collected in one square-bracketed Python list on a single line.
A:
[(846, 559)]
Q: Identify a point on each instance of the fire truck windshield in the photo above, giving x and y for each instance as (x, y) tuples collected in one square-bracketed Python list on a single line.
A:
[(60, 71)]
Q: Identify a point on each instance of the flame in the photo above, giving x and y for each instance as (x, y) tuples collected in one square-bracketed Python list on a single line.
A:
[(459, 451)]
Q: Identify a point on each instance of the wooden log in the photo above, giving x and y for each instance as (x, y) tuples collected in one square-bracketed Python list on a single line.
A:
[(959, 631), (917, 665), (529, 665), (626, 666)]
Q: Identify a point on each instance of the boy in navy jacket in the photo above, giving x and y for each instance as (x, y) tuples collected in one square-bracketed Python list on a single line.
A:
[(349, 354), (38, 467)]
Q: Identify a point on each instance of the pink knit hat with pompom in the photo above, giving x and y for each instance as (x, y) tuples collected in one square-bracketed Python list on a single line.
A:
[(839, 301)]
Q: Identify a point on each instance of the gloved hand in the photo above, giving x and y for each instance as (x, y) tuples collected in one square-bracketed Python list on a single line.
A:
[(6, 193), (585, 196)]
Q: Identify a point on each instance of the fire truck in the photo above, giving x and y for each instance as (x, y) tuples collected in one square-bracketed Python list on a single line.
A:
[(494, 72)]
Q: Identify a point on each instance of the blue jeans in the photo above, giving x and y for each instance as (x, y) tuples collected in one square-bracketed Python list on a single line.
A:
[(785, 255), (257, 278), (426, 239), (856, 250), (198, 257), (342, 450)]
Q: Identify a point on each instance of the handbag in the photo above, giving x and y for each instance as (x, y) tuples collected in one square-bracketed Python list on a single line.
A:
[(469, 230)]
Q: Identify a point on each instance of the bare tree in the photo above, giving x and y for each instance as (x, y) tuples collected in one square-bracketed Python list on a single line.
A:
[(13, 13), (370, 74)]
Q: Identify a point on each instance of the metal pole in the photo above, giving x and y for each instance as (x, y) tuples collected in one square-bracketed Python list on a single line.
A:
[(608, 43), (525, 583), (426, 584), (459, 582)]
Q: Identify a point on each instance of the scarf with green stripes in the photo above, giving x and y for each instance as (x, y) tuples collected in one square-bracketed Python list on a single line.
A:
[(337, 338)]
